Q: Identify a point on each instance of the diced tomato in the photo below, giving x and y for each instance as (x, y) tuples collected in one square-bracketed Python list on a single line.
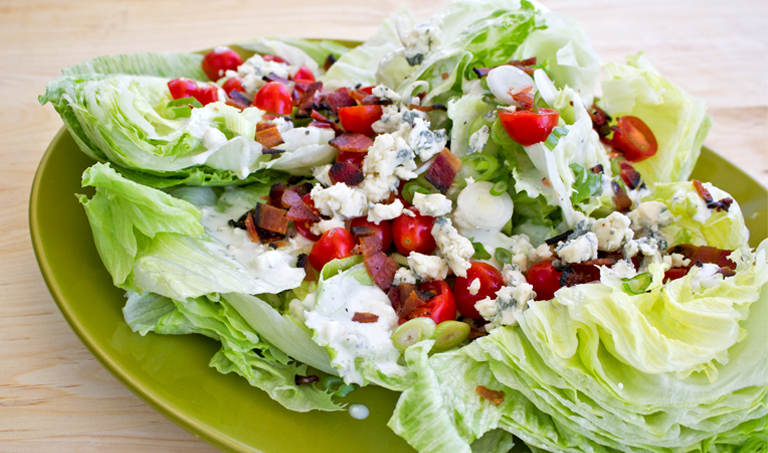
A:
[(440, 308), (490, 282), (333, 244), (634, 138), (544, 278), (274, 97), (182, 88), (274, 58), (304, 74), (368, 90), (207, 94), (360, 118), (305, 229), (233, 84), (413, 234), (219, 60), (528, 127), (383, 230)]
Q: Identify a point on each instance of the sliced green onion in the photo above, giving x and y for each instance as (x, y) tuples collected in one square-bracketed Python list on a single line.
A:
[(184, 101), (637, 284), (412, 332), (235, 122), (503, 255), (337, 386), (400, 259), (449, 334), (485, 166), (499, 188), (411, 188)]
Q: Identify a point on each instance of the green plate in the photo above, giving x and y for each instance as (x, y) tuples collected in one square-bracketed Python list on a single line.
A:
[(171, 374)]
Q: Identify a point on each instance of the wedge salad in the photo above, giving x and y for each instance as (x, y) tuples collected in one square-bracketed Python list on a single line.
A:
[(462, 210)]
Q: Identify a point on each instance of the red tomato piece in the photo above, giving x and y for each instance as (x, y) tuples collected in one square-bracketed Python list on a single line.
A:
[(383, 230), (490, 282), (333, 244), (304, 74), (233, 84), (219, 60), (528, 127), (413, 234), (274, 58), (351, 157), (207, 94), (360, 118), (440, 308), (274, 97), (634, 138), (182, 88), (305, 229), (544, 278), (368, 90)]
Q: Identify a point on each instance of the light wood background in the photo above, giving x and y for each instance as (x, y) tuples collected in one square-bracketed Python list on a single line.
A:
[(55, 397)]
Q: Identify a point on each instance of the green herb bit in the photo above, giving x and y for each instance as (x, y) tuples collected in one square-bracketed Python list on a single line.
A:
[(638, 284), (503, 255)]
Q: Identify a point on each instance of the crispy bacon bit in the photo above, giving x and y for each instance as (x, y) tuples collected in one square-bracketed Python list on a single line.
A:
[(373, 100), (272, 151), (380, 267), (476, 333), (524, 65), (269, 138), (410, 298), (443, 170), (427, 108), (289, 198), (304, 97), (600, 121), (346, 172), (481, 72), (322, 121), (272, 77), (359, 95), (301, 380), (250, 226), (445, 76), (270, 218), (329, 61), (264, 125), (577, 274), (597, 169), (300, 212), (630, 176), (720, 205), (340, 98), (494, 396), (600, 262), (546, 182), (238, 100), (621, 201), (370, 245), (524, 98), (394, 300), (704, 254), (364, 317), (362, 231), (352, 142)]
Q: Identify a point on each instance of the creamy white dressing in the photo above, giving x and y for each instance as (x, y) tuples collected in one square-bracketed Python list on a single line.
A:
[(359, 411)]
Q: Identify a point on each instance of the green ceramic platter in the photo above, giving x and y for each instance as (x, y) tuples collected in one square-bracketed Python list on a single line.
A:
[(171, 373)]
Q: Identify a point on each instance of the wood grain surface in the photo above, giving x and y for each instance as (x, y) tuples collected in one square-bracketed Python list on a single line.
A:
[(54, 397)]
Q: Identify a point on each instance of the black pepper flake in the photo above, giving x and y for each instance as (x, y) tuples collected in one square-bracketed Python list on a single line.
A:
[(300, 380)]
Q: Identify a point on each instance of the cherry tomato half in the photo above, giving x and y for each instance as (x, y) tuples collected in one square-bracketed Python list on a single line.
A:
[(528, 127), (413, 234), (383, 230), (440, 308), (352, 157), (182, 88), (360, 118), (490, 282), (274, 58), (305, 229), (304, 74), (219, 60), (207, 94), (274, 97), (334, 243), (233, 84), (634, 138), (544, 278)]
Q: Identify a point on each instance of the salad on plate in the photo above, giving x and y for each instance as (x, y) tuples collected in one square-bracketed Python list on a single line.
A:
[(462, 210)]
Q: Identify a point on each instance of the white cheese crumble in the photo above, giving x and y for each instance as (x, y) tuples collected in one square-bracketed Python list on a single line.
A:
[(419, 41), (474, 287), (321, 173), (428, 267), (582, 248), (612, 232), (425, 142), (404, 275), (510, 300), (433, 205), (254, 69), (340, 200), (385, 93), (650, 215), (478, 140), (455, 248), (392, 116), (322, 226), (378, 212)]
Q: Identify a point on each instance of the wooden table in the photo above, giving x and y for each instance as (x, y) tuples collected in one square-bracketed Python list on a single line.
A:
[(53, 395)]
